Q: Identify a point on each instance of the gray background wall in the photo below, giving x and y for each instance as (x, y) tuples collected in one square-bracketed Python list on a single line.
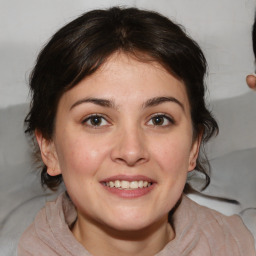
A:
[(221, 27), (223, 30)]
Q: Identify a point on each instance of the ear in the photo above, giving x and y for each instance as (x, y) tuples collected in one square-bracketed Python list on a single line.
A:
[(48, 154), (194, 152), (251, 81)]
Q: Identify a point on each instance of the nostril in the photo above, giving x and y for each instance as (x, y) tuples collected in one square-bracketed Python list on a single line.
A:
[(136, 162), (130, 161), (130, 148), (129, 157)]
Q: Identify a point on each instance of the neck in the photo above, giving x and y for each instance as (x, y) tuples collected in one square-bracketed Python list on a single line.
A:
[(147, 241)]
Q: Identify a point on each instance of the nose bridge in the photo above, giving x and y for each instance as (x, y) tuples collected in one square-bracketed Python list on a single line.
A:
[(130, 147)]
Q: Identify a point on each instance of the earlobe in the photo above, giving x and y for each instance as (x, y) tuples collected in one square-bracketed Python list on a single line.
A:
[(48, 154), (194, 152)]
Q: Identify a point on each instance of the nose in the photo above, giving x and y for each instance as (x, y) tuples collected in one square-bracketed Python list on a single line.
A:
[(130, 148)]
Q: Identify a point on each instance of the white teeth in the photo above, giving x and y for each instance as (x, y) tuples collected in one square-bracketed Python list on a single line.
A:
[(124, 184), (111, 184), (134, 184), (117, 184), (140, 184)]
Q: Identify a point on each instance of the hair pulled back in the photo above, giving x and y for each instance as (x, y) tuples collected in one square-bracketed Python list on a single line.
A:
[(78, 49)]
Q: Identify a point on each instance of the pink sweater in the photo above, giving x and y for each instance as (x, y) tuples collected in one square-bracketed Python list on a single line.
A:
[(199, 232)]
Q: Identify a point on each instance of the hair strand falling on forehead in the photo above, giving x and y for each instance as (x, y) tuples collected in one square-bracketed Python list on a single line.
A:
[(78, 50)]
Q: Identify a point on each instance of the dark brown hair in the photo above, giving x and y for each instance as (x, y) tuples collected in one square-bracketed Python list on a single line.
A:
[(254, 36), (78, 49)]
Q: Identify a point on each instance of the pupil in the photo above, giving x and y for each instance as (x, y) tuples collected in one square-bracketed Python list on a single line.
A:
[(96, 120), (158, 120)]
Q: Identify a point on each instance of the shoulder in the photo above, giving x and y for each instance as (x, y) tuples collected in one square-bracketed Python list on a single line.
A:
[(50, 234), (221, 233), (30, 241), (209, 217), (39, 236), (248, 216)]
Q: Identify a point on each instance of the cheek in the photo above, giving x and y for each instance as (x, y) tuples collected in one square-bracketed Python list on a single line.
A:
[(172, 155), (78, 156)]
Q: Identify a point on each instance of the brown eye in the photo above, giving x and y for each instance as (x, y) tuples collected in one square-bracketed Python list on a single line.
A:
[(161, 120), (158, 120), (95, 121)]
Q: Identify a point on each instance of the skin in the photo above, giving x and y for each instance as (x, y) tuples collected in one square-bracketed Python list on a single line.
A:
[(128, 141), (251, 81)]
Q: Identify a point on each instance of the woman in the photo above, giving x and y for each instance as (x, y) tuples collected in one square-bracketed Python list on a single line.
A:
[(118, 112)]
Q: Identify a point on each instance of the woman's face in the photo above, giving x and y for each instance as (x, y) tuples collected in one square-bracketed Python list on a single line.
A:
[(123, 142)]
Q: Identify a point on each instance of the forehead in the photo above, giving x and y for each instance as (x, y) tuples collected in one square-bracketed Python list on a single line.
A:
[(123, 77)]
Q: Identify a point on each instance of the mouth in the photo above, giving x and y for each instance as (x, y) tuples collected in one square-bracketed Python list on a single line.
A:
[(127, 185)]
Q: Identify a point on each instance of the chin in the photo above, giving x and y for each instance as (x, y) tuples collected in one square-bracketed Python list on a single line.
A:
[(130, 226), (132, 222)]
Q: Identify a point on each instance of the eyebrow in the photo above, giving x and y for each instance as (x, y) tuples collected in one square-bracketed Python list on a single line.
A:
[(159, 100), (96, 101), (110, 103)]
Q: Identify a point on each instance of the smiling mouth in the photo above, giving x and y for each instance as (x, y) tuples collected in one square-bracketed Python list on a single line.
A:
[(127, 185)]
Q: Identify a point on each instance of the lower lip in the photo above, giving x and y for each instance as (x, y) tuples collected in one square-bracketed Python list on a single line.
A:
[(134, 193)]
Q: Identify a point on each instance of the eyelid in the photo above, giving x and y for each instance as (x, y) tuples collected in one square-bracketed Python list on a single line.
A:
[(88, 117), (164, 115)]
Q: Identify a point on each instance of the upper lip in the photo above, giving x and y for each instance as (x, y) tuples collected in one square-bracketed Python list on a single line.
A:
[(128, 178)]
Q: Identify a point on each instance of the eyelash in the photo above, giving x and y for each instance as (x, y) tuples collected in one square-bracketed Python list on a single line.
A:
[(102, 118), (90, 118), (169, 119)]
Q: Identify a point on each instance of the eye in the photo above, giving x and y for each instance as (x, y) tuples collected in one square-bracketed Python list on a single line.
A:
[(160, 120), (95, 121)]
